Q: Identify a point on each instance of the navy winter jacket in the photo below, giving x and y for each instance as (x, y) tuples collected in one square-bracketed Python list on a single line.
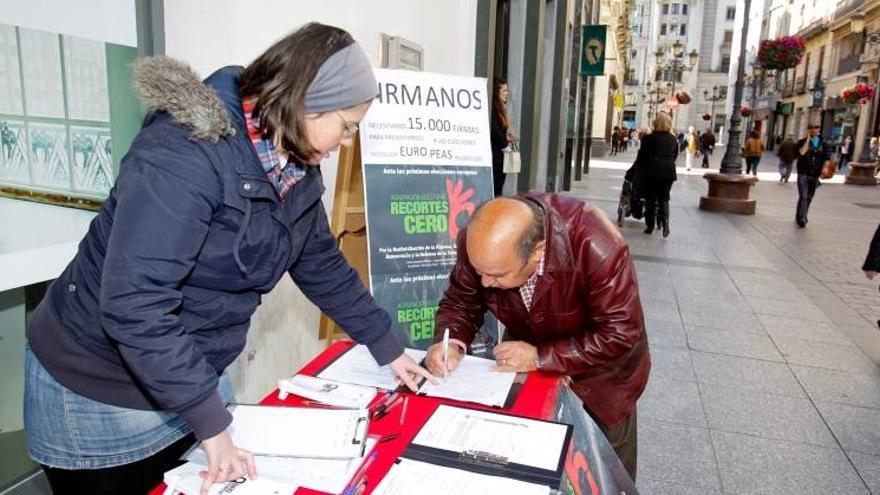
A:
[(158, 300)]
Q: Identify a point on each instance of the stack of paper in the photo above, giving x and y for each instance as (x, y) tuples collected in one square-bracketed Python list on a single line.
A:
[(326, 391), (185, 479), (358, 367), (472, 381)]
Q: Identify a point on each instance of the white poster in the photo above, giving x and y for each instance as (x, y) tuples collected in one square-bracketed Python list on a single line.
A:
[(427, 166)]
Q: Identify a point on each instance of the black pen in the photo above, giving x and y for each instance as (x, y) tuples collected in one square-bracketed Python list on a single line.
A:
[(383, 409)]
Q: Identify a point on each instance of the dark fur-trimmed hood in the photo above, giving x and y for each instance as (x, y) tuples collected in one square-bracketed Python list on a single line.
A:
[(164, 84)]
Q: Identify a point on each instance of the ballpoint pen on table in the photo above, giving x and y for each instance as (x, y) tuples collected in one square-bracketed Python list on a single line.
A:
[(355, 481), (446, 353), (385, 409), (388, 438), (382, 408), (403, 413)]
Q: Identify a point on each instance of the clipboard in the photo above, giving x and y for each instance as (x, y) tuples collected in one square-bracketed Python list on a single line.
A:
[(495, 464), (282, 431)]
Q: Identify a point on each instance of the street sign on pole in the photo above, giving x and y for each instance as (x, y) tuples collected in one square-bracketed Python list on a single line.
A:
[(593, 50)]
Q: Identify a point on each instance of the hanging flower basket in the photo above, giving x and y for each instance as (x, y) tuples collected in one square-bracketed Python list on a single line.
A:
[(745, 111), (706, 116), (861, 93), (683, 98), (782, 53)]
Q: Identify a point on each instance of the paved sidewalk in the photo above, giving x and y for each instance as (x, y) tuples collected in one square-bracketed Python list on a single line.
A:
[(764, 339)]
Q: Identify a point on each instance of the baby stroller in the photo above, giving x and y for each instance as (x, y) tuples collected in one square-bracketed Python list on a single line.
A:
[(629, 205)]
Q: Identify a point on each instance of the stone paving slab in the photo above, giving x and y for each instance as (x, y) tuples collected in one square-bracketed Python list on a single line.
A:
[(751, 464), (774, 326)]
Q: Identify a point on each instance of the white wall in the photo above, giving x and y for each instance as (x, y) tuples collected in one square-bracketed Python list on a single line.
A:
[(111, 21), (210, 34)]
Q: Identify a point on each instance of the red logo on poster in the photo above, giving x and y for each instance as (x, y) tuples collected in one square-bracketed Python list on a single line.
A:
[(458, 197)]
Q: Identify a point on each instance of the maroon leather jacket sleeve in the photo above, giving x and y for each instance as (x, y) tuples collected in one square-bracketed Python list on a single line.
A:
[(462, 307), (610, 291)]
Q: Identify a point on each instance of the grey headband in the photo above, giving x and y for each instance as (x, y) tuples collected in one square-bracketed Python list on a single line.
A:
[(344, 80)]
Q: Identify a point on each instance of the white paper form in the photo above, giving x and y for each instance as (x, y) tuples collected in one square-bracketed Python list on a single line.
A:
[(358, 367), (408, 477), (473, 381), (298, 431), (324, 475), (185, 479), (521, 440)]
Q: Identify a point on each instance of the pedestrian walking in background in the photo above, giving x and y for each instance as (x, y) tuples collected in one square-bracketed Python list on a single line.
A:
[(811, 157), (707, 146), (788, 153), (654, 173), (634, 138), (615, 141), (500, 137), (846, 151), (752, 153), (691, 148), (872, 261)]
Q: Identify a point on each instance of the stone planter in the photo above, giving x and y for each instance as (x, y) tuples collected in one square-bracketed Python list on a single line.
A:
[(729, 193), (861, 174)]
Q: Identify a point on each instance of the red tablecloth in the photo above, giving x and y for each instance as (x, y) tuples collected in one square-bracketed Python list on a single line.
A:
[(540, 397)]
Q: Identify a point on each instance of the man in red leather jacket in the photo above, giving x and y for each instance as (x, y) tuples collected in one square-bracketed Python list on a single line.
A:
[(558, 275)]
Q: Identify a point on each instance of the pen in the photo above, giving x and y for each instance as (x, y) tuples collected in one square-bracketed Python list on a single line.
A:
[(386, 409), (446, 353), (383, 406), (403, 414), (389, 438), (355, 481)]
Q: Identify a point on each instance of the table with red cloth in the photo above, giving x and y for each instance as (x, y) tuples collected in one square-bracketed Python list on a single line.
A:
[(591, 466)]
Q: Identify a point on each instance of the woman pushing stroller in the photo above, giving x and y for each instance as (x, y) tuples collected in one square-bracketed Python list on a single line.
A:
[(654, 172)]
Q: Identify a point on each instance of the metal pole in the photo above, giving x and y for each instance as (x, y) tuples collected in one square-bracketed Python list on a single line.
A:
[(865, 155), (732, 161)]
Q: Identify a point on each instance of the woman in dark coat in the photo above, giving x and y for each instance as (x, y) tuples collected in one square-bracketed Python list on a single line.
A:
[(654, 173), (872, 261), (499, 135)]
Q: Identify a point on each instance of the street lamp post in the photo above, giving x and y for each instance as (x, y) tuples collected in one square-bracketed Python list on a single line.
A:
[(732, 161), (715, 97), (674, 65), (729, 190), (655, 99)]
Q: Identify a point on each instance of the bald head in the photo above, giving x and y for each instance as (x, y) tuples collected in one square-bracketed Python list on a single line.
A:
[(502, 236)]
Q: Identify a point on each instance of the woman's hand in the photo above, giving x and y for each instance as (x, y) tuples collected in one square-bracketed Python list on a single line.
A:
[(226, 462), (511, 138), (408, 372), (870, 274)]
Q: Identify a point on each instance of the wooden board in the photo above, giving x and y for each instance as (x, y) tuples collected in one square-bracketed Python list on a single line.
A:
[(349, 224)]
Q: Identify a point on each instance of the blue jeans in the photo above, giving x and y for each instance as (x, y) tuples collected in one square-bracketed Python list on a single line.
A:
[(69, 431), (752, 164)]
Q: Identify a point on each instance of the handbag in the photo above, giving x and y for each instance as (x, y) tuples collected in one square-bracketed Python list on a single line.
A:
[(829, 168), (512, 162)]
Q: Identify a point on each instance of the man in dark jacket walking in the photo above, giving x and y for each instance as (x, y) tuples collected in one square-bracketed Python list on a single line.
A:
[(811, 157), (558, 275), (788, 153), (707, 146)]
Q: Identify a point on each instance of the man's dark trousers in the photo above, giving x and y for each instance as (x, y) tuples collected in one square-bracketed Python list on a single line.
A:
[(806, 189)]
